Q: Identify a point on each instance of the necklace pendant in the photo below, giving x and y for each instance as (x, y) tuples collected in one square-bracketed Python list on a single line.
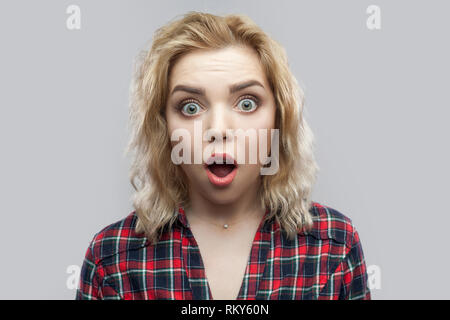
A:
[(225, 226)]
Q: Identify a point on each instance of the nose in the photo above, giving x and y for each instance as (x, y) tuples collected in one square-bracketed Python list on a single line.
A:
[(217, 122)]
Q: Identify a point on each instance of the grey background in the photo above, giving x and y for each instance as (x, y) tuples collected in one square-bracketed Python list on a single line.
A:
[(377, 102)]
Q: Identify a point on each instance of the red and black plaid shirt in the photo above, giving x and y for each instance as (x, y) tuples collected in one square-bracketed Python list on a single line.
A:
[(325, 263)]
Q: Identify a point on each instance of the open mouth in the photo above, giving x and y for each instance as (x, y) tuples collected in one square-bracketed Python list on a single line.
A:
[(221, 169)]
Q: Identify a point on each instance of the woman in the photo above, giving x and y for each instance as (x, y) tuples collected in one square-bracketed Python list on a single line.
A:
[(206, 226)]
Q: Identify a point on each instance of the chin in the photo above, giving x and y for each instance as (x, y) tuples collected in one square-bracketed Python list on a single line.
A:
[(221, 196)]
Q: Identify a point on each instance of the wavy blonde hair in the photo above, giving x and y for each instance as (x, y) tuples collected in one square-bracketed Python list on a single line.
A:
[(160, 186)]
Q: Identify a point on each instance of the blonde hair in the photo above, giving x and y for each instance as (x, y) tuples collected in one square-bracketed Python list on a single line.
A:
[(160, 186)]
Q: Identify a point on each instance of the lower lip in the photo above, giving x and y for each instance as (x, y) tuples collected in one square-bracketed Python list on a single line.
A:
[(221, 181)]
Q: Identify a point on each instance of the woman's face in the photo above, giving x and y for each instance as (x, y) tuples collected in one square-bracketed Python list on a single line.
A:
[(202, 98)]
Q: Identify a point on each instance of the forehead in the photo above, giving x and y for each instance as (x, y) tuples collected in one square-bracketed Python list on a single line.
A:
[(206, 65)]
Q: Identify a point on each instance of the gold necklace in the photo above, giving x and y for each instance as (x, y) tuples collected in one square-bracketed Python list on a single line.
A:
[(226, 225)]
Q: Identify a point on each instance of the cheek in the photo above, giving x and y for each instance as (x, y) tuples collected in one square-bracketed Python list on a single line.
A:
[(180, 132), (264, 129), (187, 169), (195, 176), (247, 176), (270, 117)]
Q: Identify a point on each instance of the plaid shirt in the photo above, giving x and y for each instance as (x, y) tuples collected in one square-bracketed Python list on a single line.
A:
[(324, 263)]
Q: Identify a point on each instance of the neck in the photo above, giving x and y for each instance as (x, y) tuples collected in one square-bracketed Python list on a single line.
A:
[(225, 213)]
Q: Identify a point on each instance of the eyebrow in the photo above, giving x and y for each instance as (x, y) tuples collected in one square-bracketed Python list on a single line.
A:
[(233, 88)]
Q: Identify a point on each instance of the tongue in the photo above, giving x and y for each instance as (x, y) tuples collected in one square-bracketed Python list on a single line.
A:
[(221, 170)]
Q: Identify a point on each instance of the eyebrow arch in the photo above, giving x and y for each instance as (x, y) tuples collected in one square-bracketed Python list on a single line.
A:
[(233, 88)]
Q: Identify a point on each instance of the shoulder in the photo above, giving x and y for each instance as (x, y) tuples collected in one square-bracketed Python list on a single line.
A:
[(117, 237), (329, 223)]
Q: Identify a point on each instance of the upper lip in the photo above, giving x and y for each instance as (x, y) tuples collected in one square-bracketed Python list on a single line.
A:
[(226, 159)]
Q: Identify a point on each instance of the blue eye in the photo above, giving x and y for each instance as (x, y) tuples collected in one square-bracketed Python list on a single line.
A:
[(248, 104), (189, 108)]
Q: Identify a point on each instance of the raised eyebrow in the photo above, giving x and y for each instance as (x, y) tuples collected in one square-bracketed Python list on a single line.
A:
[(240, 86), (181, 87), (233, 88)]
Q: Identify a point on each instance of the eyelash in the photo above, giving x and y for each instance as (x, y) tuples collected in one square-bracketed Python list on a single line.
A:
[(181, 104)]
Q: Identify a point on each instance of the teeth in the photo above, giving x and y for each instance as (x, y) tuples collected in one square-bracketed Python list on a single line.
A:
[(224, 163), (219, 160)]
